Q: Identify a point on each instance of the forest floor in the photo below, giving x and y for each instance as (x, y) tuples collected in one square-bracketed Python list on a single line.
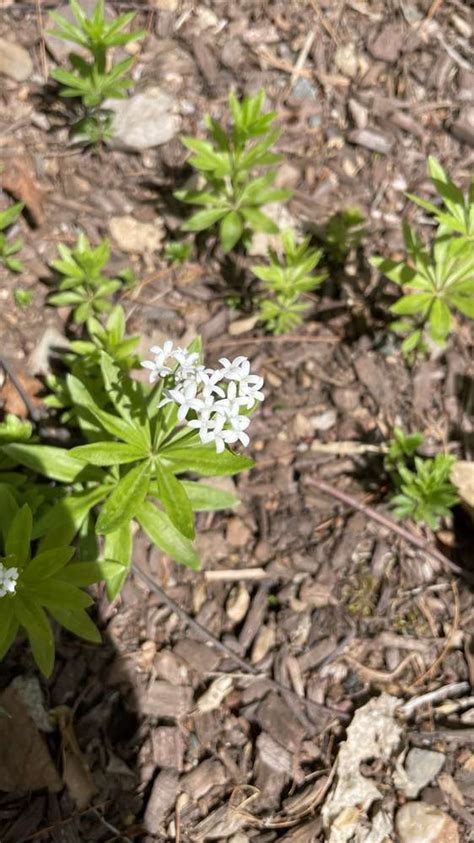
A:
[(331, 610)]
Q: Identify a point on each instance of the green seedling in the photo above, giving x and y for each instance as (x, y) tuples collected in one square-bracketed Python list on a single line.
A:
[(9, 249)]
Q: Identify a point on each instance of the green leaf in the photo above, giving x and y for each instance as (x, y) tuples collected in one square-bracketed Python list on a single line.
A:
[(440, 320), (10, 215), (464, 304), (207, 498), (82, 574), (118, 548), (58, 594), (203, 459), (411, 304), (230, 230), (204, 219), (108, 453), (39, 632), (411, 342), (175, 500), (47, 563), (78, 622), (8, 508), (164, 535), (125, 499), (8, 626), (112, 424), (18, 538), (54, 463), (259, 221), (64, 519), (397, 271)]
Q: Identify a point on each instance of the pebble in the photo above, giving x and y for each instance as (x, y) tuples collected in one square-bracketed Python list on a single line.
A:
[(347, 60), (304, 89), (15, 61), (421, 767), (134, 236), (143, 121), (417, 822), (462, 476), (463, 127), (325, 420), (238, 534)]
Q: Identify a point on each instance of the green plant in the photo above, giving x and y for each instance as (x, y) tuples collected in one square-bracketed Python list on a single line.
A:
[(457, 211), (83, 285), (438, 280), (233, 195), (401, 449), (426, 493), (36, 575), (23, 298), (286, 278), (178, 252), (7, 250), (138, 451), (342, 233), (96, 80)]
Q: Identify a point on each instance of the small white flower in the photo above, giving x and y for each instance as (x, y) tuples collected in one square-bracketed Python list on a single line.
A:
[(230, 405), (236, 369), (250, 388), (8, 578), (186, 398), (185, 358), (157, 366)]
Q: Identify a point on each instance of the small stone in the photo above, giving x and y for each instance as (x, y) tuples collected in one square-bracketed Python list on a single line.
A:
[(263, 643), (462, 477), (359, 113), (165, 5), (238, 603), (421, 767), (233, 53), (302, 426), (370, 139), (304, 89), (463, 127), (345, 398), (388, 44), (15, 61), (238, 534), (143, 121), (134, 236), (417, 822), (347, 60), (324, 421)]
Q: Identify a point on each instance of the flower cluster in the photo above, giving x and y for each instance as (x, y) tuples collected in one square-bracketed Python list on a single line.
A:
[(211, 401), (8, 578)]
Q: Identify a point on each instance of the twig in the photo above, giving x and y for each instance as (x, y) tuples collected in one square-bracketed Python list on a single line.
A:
[(237, 574), (258, 340), (435, 6), (391, 525), (42, 47), (325, 23), (454, 689), (300, 61), (208, 636), (447, 646), (7, 368)]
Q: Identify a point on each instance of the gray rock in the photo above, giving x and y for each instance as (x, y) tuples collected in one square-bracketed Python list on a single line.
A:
[(304, 89), (143, 121), (136, 237), (421, 767), (417, 822), (15, 61)]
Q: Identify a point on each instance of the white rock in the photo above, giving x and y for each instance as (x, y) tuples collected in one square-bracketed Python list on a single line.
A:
[(15, 61), (417, 822), (462, 476), (421, 767), (143, 121), (373, 734), (134, 236)]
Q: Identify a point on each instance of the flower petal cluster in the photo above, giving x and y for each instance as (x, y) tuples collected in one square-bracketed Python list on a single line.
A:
[(213, 402), (8, 578)]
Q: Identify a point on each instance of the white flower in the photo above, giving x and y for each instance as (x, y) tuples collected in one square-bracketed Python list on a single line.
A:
[(236, 370), (250, 388), (186, 398), (238, 425), (230, 405), (184, 358), (157, 366), (8, 578)]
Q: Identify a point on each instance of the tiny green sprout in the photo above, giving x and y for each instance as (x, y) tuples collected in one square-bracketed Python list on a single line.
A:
[(286, 278), (456, 213), (178, 252), (426, 493), (83, 285), (23, 298), (342, 233), (402, 447), (8, 249), (233, 196), (96, 80)]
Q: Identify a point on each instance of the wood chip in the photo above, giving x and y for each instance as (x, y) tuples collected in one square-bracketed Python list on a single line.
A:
[(165, 700), (208, 774), (276, 718), (162, 799), (168, 747)]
